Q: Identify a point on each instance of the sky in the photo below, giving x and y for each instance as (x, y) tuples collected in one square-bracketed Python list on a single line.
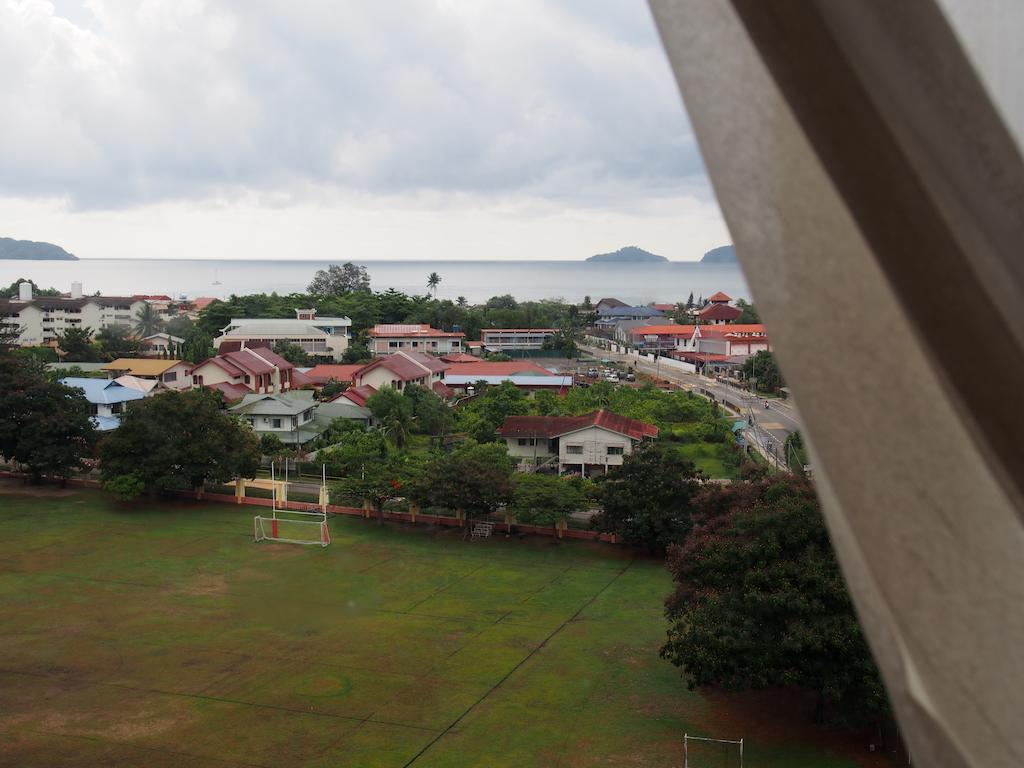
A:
[(322, 129)]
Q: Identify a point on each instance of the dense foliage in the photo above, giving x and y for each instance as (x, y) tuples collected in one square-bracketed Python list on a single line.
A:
[(763, 369), (548, 499), (649, 499), (44, 425), (474, 478), (760, 601), (177, 441)]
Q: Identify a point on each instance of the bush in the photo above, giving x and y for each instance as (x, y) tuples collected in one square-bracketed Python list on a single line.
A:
[(125, 487)]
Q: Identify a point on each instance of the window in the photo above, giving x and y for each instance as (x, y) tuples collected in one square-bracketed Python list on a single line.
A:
[(171, 376), (393, 344), (275, 423), (416, 344), (576, 450), (615, 450), (527, 441)]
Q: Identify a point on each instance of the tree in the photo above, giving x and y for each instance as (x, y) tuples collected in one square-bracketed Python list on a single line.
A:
[(546, 499), (749, 314), (271, 445), (760, 601), (498, 357), (352, 450), (430, 413), (115, 341), (76, 343), (12, 290), (461, 301), (689, 301), (394, 414), (45, 425), (331, 389), (433, 280), (795, 452), (293, 353), (178, 441), (356, 352), (764, 370), (339, 281), (198, 346), (648, 499), (378, 483), (147, 321), (474, 478)]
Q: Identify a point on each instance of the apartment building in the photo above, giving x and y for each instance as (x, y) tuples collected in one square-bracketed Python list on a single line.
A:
[(326, 337), (512, 340), (41, 319), (403, 337)]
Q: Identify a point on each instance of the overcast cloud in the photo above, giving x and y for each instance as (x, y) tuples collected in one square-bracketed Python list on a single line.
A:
[(122, 117)]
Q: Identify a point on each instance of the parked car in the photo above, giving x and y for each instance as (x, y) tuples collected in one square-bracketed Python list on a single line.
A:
[(592, 373), (612, 376)]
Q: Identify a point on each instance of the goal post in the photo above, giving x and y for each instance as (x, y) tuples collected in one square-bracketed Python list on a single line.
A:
[(712, 753), (293, 526)]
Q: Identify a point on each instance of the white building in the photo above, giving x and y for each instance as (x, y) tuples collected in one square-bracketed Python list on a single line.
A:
[(107, 399), (405, 337), (583, 444), (319, 336), (400, 369), (500, 340), (41, 319)]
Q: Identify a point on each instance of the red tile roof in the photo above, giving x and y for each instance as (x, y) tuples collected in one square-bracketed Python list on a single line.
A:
[(460, 357), (664, 307), (202, 302), (555, 426), (719, 297), (231, 392), (405, 330), (484, 368), (358, 395), (407, 366), (321, 374), (719, 312), (442, 390), (756, 329)]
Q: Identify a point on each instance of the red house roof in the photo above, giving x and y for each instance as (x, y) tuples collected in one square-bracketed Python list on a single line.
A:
[(755, 329), (231, 392), (358, 395), (407, 366), (719, 296), (555, 426), (321, 374), (663, 330), (460, 357), (484, 368), (719, 312)]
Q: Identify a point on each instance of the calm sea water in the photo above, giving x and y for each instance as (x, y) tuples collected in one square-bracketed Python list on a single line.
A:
[(476, 280)]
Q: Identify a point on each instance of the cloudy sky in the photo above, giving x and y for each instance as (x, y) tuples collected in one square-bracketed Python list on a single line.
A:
[(474, 129)]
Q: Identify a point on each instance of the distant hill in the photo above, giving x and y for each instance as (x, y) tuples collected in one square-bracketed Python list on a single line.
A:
[(629, 254), (725, 254), (27, 249)]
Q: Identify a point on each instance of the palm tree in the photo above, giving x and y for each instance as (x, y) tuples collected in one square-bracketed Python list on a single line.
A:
[(461, 301), (433, 280), (147, 321)]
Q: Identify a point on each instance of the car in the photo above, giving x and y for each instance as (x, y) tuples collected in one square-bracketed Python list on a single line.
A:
[(612, 376), (631, 376), (592, 373)]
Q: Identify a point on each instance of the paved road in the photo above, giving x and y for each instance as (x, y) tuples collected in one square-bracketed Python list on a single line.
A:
[(771, 425)]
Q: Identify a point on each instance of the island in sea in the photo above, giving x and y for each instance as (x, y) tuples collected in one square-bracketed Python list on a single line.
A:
[(725, 254), (630, 254), (29, 250)]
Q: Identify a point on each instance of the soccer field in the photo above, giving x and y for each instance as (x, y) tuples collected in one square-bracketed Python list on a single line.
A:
[(161, 635)]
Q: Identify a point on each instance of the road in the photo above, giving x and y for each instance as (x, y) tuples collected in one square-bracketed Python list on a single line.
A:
[(770, 426)]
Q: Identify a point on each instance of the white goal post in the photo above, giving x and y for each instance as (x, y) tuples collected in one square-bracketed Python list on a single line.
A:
[(293, 526), (727, 746)]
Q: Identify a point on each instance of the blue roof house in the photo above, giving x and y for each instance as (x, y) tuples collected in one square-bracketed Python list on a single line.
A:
[(106, 399)]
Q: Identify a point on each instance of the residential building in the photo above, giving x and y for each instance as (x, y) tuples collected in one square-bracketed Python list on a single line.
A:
[(106, 398), (326, 337), (718, 311), (357, 395), (486, 368), (402, 368), (721, 348), (161, 345), (583, 444), (664, 307), (289, 415), (145, 386), (343, 374), (341, 409), (171, 374), (662, 338), (247, 370), (512, 340), (391, 338), (41, 319), (609, 318), (608, 303)]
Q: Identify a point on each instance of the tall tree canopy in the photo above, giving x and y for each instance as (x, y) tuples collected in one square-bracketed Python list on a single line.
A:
[(178, 441), (338, 281), (474, 478), (148, 321), (76, 344), (649, 499), (764, 369), (760, 602), (547, 499)]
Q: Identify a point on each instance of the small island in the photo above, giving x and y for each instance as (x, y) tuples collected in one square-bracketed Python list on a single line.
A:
[(725, 254), (629, 254), (28, 250)]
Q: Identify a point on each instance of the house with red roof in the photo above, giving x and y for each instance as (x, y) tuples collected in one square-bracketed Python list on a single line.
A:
[(357, 395), (249, 369), (400, 369), (585, 444), (718, 311), (323, 373), (661, 338), (722, 347), (389, 338)]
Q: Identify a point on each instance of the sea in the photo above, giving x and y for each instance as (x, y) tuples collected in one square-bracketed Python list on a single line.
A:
[(477, 281)]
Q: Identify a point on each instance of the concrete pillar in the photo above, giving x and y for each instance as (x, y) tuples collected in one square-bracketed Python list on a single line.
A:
[(239, 490)]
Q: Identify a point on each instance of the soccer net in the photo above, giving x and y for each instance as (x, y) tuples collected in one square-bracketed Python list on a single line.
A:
[(290, 531), (701, 752), (293, 526)]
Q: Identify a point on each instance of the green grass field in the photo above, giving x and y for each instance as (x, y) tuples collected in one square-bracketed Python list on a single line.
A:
[(161, 635)]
